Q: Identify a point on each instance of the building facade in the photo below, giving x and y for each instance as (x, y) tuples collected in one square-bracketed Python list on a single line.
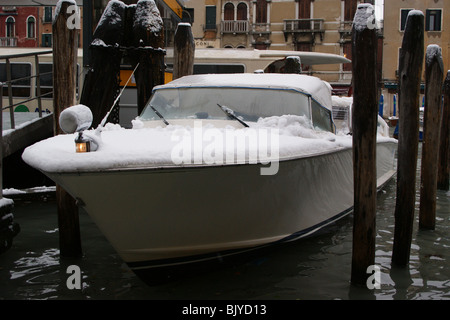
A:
[(303, 25), (28, 26), (437, 25), (18, 26)]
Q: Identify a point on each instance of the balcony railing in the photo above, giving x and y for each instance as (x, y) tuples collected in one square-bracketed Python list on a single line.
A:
[(261, 28), (234, 26), (8, 42), (346, 26), (304, 25)]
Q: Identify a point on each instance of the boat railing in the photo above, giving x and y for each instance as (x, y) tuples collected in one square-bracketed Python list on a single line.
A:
[(12, 83)]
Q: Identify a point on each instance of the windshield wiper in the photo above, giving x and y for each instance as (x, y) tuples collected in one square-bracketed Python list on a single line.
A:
[(159, 115), (230, 113)]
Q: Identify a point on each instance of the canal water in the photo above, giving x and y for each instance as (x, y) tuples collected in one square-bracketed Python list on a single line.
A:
[(315, 268)]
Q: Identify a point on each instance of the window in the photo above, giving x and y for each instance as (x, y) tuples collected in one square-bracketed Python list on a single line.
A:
[(403, 17), (433, 20), (31, 27), (242, 12), (261, 11), (321, 117), (248, 103), (210, 18), (20, 88), (46, 39), (10, 27), (218, 68), (46, 79), (48, 16), (350, 9), (228, 12)]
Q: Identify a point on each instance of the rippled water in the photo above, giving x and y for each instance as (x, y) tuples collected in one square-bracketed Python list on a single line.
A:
[(318, 267)]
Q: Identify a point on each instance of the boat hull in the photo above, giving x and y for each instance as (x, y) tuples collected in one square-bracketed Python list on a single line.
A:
[(163, 217)]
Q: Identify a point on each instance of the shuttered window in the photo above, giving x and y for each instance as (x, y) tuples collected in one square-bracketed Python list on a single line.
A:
[(210, 23)]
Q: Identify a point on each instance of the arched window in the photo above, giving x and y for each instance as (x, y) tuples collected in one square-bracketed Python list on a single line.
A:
[(242, 12), (228, 12), (31, 27), (10, 27)]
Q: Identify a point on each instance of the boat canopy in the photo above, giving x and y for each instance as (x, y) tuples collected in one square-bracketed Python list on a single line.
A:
[(316, 88)]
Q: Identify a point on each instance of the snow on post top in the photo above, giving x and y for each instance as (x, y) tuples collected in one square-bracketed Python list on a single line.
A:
[(364, 17), (59, 4), (147, 15), (434, 52), (415, 13)]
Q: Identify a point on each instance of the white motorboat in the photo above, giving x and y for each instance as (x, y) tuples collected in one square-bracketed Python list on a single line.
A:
[(215, 165)]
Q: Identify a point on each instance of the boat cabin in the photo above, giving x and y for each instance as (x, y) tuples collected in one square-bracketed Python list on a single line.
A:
[(248, 96)]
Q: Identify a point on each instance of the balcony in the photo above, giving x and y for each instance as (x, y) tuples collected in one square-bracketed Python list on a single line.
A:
[(8, 42), (261, 28), (346, 27), (302, 27), (234, 26)]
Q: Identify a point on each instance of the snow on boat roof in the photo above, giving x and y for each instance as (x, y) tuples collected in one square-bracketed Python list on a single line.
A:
[(319, 90)]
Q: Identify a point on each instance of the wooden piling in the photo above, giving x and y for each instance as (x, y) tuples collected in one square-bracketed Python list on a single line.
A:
[(434, 74), (100, 87), (444, 148), (410, 75), (293, 65), (65, 45), (148, 39), (364, 124), (184, 48)]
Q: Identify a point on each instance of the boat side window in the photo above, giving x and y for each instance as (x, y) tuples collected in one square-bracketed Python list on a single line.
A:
[(321, 117)]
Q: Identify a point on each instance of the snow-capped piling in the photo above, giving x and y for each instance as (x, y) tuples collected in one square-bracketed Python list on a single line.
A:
[(183, 55), (444, 148), (293, 64), (434, 76), (65, 46), (8, 228), (133, 31), (100, 84), (146, 49), (364, 124), (410, 75)]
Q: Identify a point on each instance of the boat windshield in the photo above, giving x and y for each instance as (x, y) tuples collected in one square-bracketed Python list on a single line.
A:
[(249, 104)]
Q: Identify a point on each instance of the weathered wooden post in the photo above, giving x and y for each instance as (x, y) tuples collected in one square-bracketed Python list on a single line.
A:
[(410, 75), (444, 148), (184, 48), (364, 123), (434, 74), (147, 42), (8, 228), (293, 65), (65, 46), (100, 87)]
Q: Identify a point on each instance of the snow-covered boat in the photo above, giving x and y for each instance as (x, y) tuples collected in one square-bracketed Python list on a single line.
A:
[(215, 165)]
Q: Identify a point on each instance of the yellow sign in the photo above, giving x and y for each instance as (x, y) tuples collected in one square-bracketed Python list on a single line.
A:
[(124, 76), (175, 6)]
